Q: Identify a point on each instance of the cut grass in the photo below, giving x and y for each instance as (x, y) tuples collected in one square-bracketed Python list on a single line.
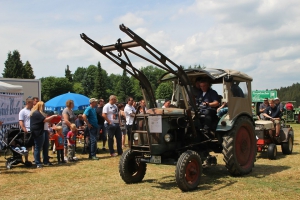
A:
[(87, 179)]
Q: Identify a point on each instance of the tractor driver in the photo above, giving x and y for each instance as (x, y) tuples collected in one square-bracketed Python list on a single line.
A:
[(209, 101), (273, 113)]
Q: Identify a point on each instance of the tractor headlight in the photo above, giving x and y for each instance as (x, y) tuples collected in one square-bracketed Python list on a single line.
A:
[(168, 137), (136, 136)]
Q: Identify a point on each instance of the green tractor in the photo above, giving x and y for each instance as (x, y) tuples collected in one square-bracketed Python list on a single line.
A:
[(175, 136)]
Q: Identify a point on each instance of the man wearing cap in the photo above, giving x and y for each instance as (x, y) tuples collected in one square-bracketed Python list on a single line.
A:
[(279, 104), (263, 107), (90, 118)]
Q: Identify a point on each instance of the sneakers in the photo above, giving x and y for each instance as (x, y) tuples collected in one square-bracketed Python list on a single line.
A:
[(48, 164), (75, 158), (39, 166), (94, 158), (103, 149), (24, 149), (113, 155), (18, 149)]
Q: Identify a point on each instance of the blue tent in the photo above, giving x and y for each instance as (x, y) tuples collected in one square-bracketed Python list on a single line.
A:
[(59, 103)]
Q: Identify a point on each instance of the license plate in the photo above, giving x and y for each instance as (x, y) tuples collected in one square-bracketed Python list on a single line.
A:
[(155, 159)]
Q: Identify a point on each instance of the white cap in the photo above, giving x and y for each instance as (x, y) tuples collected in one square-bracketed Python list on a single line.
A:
[(93, 100), (276, 98)]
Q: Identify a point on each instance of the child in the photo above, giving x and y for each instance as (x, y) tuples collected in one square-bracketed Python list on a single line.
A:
[(71, 136), (51, 133), (58, 138), (222, 110)]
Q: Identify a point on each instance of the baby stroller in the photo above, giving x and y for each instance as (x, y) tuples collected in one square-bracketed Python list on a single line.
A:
[(17, 142)]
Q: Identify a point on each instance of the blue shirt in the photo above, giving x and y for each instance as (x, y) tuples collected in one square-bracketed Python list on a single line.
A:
[(210, 96), (91, 116)]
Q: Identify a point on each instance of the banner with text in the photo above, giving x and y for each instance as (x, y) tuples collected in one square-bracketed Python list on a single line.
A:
[(10, 106)]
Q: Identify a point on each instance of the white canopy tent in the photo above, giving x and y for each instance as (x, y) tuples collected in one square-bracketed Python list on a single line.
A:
[(5, 87)]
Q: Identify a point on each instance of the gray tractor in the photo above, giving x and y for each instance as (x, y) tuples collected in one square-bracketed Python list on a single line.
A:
[(175, 136)]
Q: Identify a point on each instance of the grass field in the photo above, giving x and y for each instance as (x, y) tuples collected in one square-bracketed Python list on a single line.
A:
[(86, 179)]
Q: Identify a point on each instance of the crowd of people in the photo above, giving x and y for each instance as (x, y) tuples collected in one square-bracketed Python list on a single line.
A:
[(107, 122)]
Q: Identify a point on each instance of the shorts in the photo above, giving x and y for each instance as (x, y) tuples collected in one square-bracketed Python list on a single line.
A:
[(276, 121), (123, 130)]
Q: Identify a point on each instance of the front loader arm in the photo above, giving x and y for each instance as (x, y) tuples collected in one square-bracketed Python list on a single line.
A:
[(165, 61), (126, 65), (165, 64)]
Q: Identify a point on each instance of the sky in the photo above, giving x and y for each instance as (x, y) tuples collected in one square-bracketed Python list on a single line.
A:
[(258, 37)]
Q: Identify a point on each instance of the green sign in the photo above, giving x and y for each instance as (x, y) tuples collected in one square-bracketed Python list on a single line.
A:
[(259, 95)]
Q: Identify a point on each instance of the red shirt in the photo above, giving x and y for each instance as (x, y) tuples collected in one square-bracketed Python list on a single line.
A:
[(58, 140), (71, 137)]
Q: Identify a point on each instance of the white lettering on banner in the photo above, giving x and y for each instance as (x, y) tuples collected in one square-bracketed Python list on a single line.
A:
[(10, 106)]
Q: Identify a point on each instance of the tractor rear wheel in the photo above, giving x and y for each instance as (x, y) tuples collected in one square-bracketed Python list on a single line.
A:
[(131, 170), (272, 151), (287, 147), (188, 170), (239, 147)]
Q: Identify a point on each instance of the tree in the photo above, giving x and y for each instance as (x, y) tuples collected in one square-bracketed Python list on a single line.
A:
[(136, 89), (112, 82), (100, 83), (68, 74), (124, 87), (79, 74), (13, 66), (153, 74), (28, 71), (77, 88), (88, 81), (164, 91), (53, 86)]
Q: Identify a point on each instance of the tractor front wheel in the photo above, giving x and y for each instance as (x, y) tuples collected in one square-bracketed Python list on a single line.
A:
[(131, 170), (272, 151), (188, 171)]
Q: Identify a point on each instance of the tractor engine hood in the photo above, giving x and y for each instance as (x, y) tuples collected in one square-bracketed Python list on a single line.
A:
[(166, 111)]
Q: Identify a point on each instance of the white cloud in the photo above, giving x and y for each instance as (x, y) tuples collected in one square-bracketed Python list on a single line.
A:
[(130, 20), (259, 37), (98, 18)]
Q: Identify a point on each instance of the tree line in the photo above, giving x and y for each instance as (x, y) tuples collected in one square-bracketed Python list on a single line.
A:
[(290, 93), (91, 81)]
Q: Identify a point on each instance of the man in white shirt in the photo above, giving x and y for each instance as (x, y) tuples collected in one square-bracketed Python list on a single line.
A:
[(129, 113), (112, 125), (24, 118)]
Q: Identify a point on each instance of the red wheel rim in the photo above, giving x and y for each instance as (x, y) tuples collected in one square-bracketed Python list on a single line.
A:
[(192, 171), (243, 146)]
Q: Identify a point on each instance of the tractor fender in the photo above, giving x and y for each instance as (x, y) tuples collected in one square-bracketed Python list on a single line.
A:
[(230, 123), (285, 133)]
